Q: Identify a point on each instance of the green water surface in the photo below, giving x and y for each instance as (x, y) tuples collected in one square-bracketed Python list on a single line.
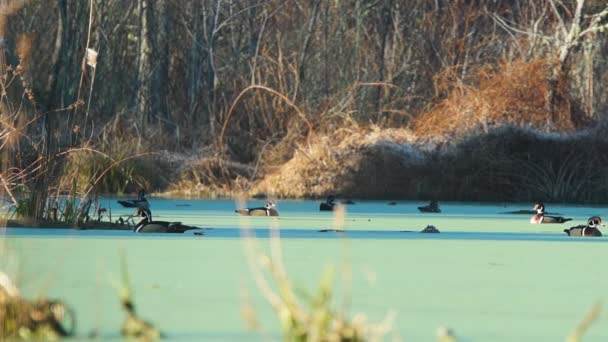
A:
[(485, 287)]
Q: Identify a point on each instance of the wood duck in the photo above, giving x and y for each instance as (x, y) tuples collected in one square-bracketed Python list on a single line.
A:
[(540, 216), (433, 207), (590, 229), (140, 202), (329, 204), (269, 209), (146, 225)]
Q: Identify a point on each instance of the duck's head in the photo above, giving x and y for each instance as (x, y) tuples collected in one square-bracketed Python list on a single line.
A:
[(270, 204), (142, 194), (539, 207), (594, 221), (331, 199)]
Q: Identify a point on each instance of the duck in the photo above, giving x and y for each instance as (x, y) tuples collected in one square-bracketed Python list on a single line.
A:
[(590, 229), (146, 225), (433, 207), (540, 216), (140, 202), (329, 204), (269, 209)]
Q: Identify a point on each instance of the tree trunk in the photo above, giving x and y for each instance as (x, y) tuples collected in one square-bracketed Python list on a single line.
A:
[(211, 72), (52, 90), (384, 25), (195, 67), (161, 70), (144, 71), (307, 38)]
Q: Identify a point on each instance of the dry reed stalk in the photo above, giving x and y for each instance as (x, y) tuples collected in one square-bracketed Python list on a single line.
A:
[(301, 114), (320, 322), (584, 325), (133, 326)]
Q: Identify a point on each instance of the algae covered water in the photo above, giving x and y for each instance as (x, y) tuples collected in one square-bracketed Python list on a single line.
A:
[(489, 276)]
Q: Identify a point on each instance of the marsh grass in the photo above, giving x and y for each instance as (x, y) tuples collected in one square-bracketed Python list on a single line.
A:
[(133, 326), (304, 316), (41, 319), (506, 163), (211, 177), (118, 160)]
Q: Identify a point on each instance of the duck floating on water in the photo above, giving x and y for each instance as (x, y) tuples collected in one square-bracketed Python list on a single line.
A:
[(540, 216), (140, 202), (433, 207), (146, 225), (590, 229), (329, 204), (269, 209)]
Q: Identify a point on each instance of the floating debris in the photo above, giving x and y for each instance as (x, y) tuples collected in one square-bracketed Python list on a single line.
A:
[(430, 229), (427, 229)]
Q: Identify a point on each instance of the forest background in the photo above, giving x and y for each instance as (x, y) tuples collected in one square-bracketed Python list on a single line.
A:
[(483, 100)]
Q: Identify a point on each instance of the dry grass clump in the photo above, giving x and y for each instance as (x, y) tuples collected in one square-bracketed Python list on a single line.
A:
[(504, 93), (507, 163), (513, 163), (118, 160), (210, 177), (330, 162)]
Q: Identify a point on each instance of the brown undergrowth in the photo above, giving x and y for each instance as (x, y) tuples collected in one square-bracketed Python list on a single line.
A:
[(492, 137), (507, 163), (329, 164), (505, 93)]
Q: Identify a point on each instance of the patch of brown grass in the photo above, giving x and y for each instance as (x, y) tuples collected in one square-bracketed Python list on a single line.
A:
[(504, 93), (328, 164), (211, 176)]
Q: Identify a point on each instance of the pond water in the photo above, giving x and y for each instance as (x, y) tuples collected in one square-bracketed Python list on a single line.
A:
[(489, 276)]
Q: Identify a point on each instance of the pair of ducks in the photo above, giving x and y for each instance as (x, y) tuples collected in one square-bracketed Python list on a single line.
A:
[(589, 229)]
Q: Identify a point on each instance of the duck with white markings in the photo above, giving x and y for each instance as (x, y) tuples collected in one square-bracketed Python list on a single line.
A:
[(269, 209), (541, 217), (146, 225), (140, 202), (589, 229)]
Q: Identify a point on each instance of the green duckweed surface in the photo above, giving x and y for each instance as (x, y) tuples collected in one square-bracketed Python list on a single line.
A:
[(488, 276)]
